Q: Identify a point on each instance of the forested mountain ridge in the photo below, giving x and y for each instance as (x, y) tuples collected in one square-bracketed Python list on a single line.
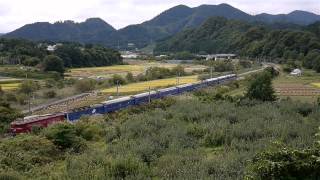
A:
[(168, 23), (19, 51), (297, 17), (89, 31), (219, 35)]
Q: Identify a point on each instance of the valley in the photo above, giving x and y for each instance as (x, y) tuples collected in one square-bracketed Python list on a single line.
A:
[(199, 91)]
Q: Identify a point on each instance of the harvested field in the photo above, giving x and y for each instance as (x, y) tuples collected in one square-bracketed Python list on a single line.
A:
[(297, 90), (143, 86), (10, 86), (135, 69)]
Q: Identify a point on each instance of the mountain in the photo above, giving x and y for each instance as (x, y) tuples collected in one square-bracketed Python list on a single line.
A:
[(296, 17), (89, 31), (220, 35), (177, 19), (164, 25)]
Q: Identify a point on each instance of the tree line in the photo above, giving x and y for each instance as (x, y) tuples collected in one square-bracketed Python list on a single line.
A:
[(66, 55), (219, 35)]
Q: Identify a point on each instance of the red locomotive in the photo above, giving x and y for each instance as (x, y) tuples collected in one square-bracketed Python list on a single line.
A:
[(25, 125)]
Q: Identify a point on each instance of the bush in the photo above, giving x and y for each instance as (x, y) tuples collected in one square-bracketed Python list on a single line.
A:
[(22, 99), (261, 88), (117, 79), (53, 63), (221, 66), (28, 87), (85, 85), (92, 129), (245, 63), (50, 94), (25, 152), (65, 137), (129, 77), (286, 164)]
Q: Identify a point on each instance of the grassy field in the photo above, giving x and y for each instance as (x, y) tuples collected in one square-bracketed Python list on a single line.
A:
[(316, 84), (135, 68), (9, 86), (143, 86)]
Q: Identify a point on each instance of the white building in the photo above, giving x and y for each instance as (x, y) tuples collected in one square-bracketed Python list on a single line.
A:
[(52, 48), (296, 72)]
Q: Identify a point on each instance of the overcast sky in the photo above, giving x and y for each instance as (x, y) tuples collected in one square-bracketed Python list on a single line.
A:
[(120, 13)]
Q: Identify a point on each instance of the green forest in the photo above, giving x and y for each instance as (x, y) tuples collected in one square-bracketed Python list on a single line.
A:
[(19, 51), (219, 35)]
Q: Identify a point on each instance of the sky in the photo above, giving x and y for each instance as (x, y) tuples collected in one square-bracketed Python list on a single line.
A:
[(120, 13)]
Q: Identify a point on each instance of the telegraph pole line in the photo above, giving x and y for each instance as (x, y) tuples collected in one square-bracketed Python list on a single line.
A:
[(68, 110), (29, 104), (117, 88), (149, 94)]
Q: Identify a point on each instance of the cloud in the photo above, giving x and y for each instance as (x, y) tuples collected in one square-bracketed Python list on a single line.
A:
[(120, 13)]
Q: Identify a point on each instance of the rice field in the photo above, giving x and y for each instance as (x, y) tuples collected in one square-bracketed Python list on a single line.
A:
[(144, 86), (316, 85), (135, 69), (10, 86)]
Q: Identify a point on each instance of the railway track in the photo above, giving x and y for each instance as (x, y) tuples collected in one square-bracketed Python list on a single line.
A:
[(79, 99)]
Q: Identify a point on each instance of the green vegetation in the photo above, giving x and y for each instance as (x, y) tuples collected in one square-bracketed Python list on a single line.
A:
[(53, 63), (261, 88), (219, 35), (14, 51), (201, 135)]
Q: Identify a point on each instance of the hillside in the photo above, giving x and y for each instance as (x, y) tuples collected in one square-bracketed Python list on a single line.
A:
[(92, 30), (219, 35), (296, 17), (168, 23)]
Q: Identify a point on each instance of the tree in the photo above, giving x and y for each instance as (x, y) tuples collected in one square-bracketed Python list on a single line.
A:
[(129, 77), (28, 87), (117, 79), (53, 63), (64, 136), (85, 85), (261, 88), (7, 115), (316, 64)]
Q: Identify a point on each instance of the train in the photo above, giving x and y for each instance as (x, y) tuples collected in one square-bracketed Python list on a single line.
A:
[(26, 124)]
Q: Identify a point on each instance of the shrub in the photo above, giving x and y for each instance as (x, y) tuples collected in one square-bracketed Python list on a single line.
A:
[(50, 94), (53, 63), (261, 88), (64, 136), (126, 168), (117, 79), (28, 87), (24, 152), (245, 63), (286, 164), (221, 66), (129, 77), (92, 129), (22, 99), (85, 85)]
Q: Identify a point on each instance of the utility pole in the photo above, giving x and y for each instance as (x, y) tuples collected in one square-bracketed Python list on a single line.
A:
[(68, 110), (149, 94), (29, 104), (117, 88), (211, 72)]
